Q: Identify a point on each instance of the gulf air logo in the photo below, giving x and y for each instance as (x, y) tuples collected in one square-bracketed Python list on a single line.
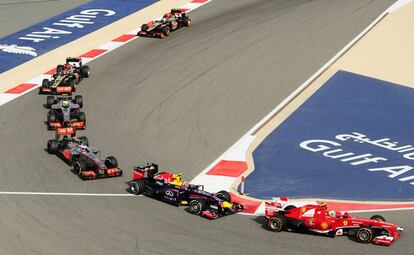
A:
[(15, 49)]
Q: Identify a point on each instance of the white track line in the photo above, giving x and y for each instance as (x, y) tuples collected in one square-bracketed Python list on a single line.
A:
[(66, 194)]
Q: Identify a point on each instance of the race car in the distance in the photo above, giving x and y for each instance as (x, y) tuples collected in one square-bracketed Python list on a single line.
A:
[(66, 78), (65, 112), (171, 21), (319, 219), (84, 159), (168, 187)]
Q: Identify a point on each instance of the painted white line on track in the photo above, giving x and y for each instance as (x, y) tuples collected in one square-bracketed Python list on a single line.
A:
[(67, 194)]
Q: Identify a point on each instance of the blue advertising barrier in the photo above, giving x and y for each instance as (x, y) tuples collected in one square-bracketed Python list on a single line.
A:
[(353, 139), (36, 40)]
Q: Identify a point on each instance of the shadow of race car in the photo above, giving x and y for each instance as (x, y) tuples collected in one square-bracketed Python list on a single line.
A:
[(168, 187)]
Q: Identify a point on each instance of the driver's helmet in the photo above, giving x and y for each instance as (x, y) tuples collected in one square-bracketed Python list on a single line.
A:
[(332, 213), (324, 204), (83, 148), (176, 180), (65, 103), (66, 67)]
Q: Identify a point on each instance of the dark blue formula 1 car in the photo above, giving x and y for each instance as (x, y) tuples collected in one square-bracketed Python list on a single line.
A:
[(169, 188)]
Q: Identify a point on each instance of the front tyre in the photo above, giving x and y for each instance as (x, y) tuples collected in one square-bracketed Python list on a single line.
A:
[(79, 166), (378, 218), (224, 195), (50, 100), (111, 162), (364, 235), (45, 83), (197, 206)]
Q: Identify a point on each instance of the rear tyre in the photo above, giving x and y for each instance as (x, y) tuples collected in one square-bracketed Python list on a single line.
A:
[(136, 187), (45, 83), (50, 100), (59, 68), (52, 146), (364, 235), (78, 166), (84, 140), (197, 206), (85, 71), (79, 100), (275, 224), (224, 195), (111, 162), (378, 218)]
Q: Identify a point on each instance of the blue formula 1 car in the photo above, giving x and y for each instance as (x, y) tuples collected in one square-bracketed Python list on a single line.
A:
[(168, 187)]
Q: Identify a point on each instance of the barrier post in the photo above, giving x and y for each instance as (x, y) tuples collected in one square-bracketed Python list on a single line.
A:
[(242, 186)]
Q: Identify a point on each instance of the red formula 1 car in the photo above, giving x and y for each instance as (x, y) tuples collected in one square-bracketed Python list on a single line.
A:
[(317, 218), (66, 78), (84, 159), (171, 21), (65, 112)]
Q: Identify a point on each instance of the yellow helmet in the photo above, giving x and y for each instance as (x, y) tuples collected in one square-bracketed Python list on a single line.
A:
[(177, 179), (65, 103)]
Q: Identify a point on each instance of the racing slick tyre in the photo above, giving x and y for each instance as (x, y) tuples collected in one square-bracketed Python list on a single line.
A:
[(78, 166), (187, 21), (85, 71), (82, 117), (84, 140), (364, 235), (51, 117), (52, 146), (79, 101), (50, 100), (166, 31), (136, 187), (59, 68), (378, 217), (197, 206), (224, 195), (111, 162), (144, 28), (275, 224), (45, 83)]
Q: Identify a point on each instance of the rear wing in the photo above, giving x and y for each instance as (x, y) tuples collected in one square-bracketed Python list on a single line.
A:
[(147, 170), (76, 61), (65, 131)]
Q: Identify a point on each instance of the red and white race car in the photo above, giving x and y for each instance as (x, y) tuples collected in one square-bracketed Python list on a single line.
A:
[(319, 219)]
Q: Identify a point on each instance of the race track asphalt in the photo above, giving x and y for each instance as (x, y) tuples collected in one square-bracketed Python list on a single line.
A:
[(180, 102)]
